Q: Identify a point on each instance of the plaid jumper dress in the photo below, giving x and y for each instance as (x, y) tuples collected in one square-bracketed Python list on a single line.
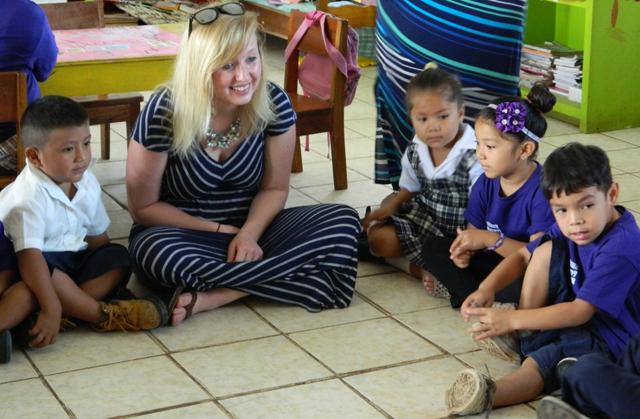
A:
[(437, 210)]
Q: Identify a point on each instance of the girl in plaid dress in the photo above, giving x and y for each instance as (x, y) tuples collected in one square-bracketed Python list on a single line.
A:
[(438, 169)]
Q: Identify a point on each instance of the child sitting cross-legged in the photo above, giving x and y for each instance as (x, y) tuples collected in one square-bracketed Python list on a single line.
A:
[(54, 215), (581, 288), (438, 169), (506, 206)]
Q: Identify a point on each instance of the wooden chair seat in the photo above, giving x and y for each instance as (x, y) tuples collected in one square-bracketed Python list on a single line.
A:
[(316, 115)]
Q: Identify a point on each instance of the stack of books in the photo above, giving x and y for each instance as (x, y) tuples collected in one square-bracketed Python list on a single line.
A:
[(555, 65)]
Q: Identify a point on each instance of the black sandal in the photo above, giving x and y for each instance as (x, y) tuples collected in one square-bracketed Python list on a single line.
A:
[(189, 307)]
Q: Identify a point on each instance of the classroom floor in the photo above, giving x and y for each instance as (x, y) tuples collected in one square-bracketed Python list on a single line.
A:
[(391, 354)]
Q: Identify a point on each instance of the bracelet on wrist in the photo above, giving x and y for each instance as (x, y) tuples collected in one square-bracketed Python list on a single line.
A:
[(498, 242), (218, 229)]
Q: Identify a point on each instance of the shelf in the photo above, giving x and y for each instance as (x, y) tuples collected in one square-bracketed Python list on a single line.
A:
[(609, 84), (572, 3), (564, 109)]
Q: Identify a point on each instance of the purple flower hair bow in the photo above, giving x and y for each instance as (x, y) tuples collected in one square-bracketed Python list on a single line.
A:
[(510, 117)]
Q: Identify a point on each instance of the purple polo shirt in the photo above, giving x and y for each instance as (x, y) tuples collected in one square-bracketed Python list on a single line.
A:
[(606, 273), (518, 216)]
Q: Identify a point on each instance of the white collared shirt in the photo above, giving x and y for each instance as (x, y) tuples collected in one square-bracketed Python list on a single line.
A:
[(409, 179), (37, 214)]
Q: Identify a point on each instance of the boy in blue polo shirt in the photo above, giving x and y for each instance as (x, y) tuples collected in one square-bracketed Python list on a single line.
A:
[(581, 290)]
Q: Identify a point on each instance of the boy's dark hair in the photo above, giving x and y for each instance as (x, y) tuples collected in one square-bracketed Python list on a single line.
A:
[(573, 167), (538, 102), (433, 78), (49, 113)]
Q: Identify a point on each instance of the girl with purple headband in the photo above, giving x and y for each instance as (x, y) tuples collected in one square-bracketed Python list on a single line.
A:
[(506, 206)]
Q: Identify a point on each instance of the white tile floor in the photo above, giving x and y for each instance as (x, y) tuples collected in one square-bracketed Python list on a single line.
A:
[(391, 354)]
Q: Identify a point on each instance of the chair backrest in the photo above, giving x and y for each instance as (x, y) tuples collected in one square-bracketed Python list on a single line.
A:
[(75, 14), (13, 102), (313, 42)]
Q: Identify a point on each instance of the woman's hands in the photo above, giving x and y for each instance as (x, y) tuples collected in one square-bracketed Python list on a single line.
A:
[(243, 248)]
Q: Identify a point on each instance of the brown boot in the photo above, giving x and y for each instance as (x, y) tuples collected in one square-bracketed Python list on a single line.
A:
[(130, 315)]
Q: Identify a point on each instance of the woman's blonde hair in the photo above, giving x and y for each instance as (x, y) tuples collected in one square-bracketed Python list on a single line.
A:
[(207, 50)]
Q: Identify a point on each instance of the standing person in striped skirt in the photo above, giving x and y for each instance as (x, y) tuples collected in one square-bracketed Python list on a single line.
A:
[(208, 177), (478, 40)]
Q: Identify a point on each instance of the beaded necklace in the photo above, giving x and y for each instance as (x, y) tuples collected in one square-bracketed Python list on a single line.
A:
[(215, 139)]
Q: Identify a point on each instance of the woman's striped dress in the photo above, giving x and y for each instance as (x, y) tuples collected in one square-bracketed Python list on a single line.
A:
[(310, 256), (479, 40)]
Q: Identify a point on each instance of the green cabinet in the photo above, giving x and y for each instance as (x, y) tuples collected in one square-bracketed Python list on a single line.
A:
[(611, 68)]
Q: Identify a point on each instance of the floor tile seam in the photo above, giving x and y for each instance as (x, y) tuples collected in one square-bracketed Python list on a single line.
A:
[(226, 397), (366, 399), (221, 344), (619, 139), (378, 273), (306, 195), (167, 409), (406, 362), (202, 387), (18, 380), (49, 387), (373, 303), (108, 364), (329, 326), (291, 332), (368, 176), (415, 332)]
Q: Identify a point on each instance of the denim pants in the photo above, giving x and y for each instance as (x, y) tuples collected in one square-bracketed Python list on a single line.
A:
[(600, 387)]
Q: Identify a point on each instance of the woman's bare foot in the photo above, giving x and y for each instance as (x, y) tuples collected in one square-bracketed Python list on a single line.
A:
[(185, 307), (204, 301)]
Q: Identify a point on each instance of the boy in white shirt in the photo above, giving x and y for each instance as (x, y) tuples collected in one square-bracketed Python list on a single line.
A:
[(54, 215)]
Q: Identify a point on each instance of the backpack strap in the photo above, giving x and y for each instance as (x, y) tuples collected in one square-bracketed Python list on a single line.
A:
[(339, 60), (309, 20)]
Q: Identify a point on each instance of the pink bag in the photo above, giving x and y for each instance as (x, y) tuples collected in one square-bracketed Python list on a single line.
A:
[(315, 71)]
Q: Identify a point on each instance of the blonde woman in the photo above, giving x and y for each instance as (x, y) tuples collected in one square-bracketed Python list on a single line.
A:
[(208, 177)]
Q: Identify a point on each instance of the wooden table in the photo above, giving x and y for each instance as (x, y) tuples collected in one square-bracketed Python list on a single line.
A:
[(81, 74)]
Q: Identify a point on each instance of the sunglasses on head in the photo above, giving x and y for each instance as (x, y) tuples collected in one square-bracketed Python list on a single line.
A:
[(208, 15)]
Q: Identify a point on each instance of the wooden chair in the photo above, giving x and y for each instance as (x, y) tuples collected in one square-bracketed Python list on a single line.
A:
[(103, 109), (315, 115), (13, 102)]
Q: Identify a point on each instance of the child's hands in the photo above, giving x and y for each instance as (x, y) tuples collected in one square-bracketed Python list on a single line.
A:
[(491, 322), (462, 260), (46, 329), (377, 216), (471, 240), (479, 298)]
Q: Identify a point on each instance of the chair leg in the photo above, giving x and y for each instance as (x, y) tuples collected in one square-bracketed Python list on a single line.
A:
[(105, 141), (338, 160), (134, 111), (296, 165)]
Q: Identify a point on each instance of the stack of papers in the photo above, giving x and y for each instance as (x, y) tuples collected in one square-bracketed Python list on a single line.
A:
[(555, 65)]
